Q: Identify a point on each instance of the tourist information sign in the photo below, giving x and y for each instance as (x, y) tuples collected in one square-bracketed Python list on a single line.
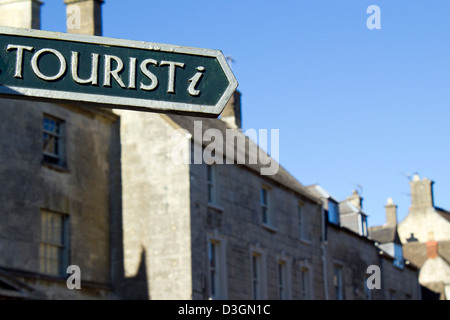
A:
[(115, 73)]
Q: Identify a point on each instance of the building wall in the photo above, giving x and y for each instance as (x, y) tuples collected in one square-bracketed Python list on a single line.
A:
[(156, 209), (354, 255), (79, 191), (351, 221), (402, 282), (237, 223), (422, 221)]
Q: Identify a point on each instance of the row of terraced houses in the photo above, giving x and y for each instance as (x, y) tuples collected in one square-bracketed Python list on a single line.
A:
[(97, 188)]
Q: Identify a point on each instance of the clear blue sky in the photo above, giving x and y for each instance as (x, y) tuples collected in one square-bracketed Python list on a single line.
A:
[(354, 106)]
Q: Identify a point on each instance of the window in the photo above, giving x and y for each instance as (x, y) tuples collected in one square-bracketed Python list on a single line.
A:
[(282, 280), (213, 261), (54, 246), (333, 212), (53, 141), (216, 263), (258, 272), (392, 295), (213, 197), (363, 225), (265, 209), (305, 283), (338, 285), (398, 253), (367, 291), (302, 226), (257, 281)]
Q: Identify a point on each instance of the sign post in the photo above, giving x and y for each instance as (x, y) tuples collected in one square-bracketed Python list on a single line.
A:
[(114, 73)]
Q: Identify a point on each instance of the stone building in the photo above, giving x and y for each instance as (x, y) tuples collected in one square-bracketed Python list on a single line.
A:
[(148, 210), (214, 230), (425, 234), (350, 252), (56, 166)]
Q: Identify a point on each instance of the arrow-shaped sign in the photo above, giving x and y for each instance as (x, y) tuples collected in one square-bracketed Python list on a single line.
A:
[(115, 73)]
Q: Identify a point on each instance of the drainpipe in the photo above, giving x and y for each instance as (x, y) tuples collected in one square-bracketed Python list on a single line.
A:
[(383, 293), (323, 246)]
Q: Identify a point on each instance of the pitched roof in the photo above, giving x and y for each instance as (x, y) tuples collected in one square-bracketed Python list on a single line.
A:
[(435, 270), (384, 234), (416, 252), (282, 177), (346, 207), (443, 213), (317, 191), (444, 250)]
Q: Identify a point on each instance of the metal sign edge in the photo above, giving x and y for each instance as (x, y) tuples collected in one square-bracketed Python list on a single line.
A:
[(123, 101)]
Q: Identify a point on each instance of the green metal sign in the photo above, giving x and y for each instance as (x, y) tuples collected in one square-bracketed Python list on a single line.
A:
[(115, 73)]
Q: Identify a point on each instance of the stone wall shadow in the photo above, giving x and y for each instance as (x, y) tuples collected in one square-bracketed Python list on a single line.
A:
[(124, 288)]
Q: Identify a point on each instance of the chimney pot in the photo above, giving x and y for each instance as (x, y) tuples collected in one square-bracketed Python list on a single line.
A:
[(421, 192), (232, 112), (355, 199), (84, 16), (391, 213), (20, 13), (432, 250)]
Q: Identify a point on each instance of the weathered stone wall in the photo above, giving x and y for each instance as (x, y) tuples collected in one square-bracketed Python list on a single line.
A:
[(422, 221), (354, 255), (81, 190), (239, 224), (156, 208), (402, 282), (20, 14)]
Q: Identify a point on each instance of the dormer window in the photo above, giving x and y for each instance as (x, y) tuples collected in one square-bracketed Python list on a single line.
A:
[(398, 254), (333, 212), (363, 225)]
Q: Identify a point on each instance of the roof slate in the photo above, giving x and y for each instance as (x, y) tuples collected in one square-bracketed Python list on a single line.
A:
[(282, 177)]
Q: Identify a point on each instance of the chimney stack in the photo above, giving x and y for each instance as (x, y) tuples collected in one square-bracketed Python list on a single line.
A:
[(391, 213), (355, 199), (232, 112), (84, 16), (20, 13), (421, 192), (432, 250)]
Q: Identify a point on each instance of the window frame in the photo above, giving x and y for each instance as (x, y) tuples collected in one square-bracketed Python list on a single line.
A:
[(258, 255), (256, 276), (220, 269), (62, 248), (362, 225), (398, 255), (282, 280), (338, 282), (306, 289), (211, 184), (265, 203), (302, 228), (333, 213), (58, 138)]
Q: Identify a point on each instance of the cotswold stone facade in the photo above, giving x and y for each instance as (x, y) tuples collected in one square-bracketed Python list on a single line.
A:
[(76, 190), (425, 234), (104, 190)]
